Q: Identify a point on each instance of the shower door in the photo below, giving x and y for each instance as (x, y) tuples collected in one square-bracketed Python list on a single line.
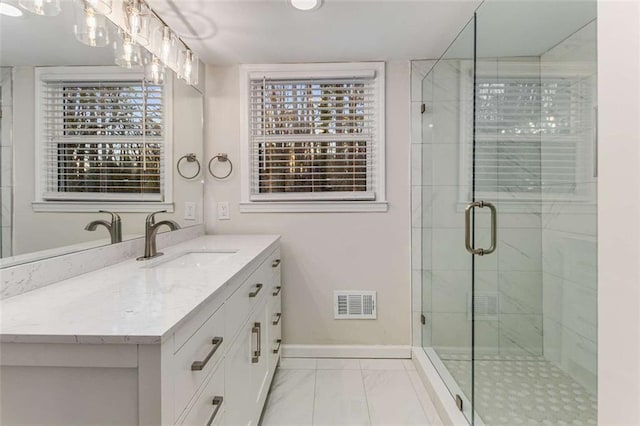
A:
[(447, 268), (533, 187)]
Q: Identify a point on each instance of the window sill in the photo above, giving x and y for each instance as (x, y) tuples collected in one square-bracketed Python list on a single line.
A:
[(93, 206), (315, 207)]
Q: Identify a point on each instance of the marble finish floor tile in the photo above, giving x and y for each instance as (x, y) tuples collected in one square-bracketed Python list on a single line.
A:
[(424, 398), (336, 392), (392, 399), (340, 398), (297, 364), (290, 400), (408, 364), (382, 364), (338, 364)]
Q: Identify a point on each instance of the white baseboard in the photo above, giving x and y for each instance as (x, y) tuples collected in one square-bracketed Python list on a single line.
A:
[(440, 395), (346, 351)]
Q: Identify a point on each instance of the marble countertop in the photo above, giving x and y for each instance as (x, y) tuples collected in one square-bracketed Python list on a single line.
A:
[(129, 302)]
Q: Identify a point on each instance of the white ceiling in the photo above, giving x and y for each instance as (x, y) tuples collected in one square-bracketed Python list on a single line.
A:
[(271, 31), (46, 41)]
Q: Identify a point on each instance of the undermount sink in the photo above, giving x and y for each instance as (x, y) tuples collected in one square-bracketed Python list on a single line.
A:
[(200, 259)]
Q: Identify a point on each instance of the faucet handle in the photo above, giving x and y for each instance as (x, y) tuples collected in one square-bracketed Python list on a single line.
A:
[(115, 217)]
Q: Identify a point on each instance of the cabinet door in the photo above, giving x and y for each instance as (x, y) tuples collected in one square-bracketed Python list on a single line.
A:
[(247, 371), (238, 379), (260, 367)]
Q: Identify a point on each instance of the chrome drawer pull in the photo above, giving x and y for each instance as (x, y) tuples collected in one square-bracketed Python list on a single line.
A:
[(217, 402), (275, 263), (255, 354), (199, 365), (277, 349), (255, 293), (277, 292), (277, 320)]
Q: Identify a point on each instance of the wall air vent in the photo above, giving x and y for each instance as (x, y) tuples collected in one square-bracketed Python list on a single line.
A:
[(485, 306), (354, 305)]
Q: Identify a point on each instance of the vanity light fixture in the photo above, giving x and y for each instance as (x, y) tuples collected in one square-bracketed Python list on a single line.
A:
[(306, 5), (41, 7), (154, 71), (91, 27), (188, 63), (166, 46), (127, 52), (9, 10), (137, 15)]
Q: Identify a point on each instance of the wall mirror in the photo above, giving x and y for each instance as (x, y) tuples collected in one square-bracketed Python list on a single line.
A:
[(82, 131)]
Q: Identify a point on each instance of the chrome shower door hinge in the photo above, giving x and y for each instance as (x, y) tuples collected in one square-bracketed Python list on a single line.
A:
[(459, 402)]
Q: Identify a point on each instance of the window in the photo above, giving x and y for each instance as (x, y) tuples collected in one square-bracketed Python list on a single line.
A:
[(102, 138), (313, 137), (530, 133)]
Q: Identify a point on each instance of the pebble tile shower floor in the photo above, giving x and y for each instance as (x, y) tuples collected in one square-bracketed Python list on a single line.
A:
[(524, 391)]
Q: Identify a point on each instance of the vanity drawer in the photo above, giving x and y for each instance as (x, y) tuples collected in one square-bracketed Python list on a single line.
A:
[(195, 360), (209, 407), (251, 292)]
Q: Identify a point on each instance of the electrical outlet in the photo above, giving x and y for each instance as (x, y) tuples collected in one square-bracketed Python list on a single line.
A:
[(189, 210), (223, 210)]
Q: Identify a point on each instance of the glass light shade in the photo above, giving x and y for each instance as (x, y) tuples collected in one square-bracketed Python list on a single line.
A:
[(91, 27), (103, 7), (154, 71), (165, 44), (127, 52), (188, 67), (138, 18), (41, 7)]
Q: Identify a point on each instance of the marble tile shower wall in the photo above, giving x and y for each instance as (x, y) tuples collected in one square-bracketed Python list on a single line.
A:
[(441, 147), (6, 158), (569, 221)]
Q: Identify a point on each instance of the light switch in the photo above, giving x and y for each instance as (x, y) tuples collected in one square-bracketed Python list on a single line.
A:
[(223, 210), (189, 210)]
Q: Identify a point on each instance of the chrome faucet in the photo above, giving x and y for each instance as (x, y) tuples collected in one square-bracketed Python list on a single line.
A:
[(150, 231), (114, 228)]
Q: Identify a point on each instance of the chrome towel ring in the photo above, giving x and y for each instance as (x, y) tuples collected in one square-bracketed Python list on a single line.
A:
[(191, 157), (223, 158)]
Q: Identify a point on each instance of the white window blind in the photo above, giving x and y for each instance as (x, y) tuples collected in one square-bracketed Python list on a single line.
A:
[(313, 138), (102, 140), (530, 133)]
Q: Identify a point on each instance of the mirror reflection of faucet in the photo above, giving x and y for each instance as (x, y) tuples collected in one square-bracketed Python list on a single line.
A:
[(150, 232), (114, 228)]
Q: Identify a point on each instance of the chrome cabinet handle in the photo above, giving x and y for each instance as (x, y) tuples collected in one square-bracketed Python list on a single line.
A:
[(467, 228), (217, 402), (277, 292), (199, 365), (257, 330), (255, 293), (275, 263), (277, 349), (277, 320)]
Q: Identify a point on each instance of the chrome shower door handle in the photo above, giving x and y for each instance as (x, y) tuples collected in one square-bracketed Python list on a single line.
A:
[(467, 228)]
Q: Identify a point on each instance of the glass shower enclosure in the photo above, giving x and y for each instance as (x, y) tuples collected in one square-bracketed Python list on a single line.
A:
[(508, 214)]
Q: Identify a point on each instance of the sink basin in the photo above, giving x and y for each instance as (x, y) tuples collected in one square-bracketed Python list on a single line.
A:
[(199, 259)]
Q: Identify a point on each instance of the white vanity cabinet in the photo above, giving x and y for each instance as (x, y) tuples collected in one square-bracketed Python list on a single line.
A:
[(215, 368)]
